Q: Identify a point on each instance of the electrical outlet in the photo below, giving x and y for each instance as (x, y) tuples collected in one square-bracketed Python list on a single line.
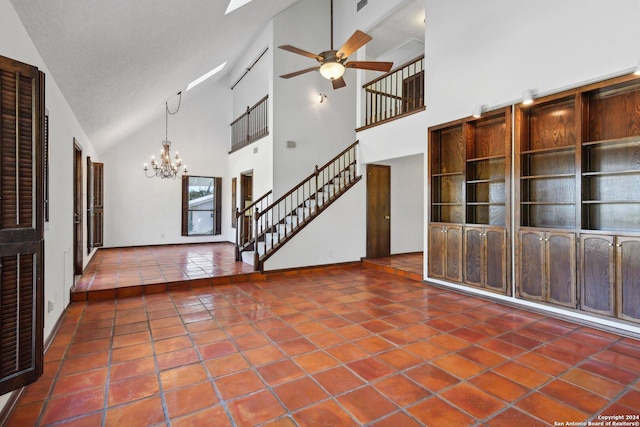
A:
[(49, 306), (162, 235)]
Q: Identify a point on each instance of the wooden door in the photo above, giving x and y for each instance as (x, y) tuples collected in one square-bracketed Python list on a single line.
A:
[(531, 265), (437, 248), (378, 211), (21, 224), (597, 273), (246, 196), (453, 253), (77, 209), (234, 201), (628, 277), (561, 268), (495, 263), (89, 205), (474, 256)]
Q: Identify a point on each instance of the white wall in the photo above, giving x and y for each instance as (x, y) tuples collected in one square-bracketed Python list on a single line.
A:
[(147, 211), (256, 83), (320, 131), (489, 52), (257, 157), (407, 188), (335, 236), (15, 43)]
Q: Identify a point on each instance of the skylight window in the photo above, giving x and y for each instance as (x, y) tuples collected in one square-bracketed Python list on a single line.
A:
[(235, 4), (204, 77)]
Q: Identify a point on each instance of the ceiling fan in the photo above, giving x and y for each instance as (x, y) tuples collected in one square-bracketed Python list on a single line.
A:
[(333, 62)]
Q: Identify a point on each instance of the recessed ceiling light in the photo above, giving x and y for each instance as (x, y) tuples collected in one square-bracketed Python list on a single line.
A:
[(200, 79), (235, 4)]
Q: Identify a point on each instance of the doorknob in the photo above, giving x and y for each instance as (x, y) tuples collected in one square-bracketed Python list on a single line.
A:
[(387, 217), (76, 218)]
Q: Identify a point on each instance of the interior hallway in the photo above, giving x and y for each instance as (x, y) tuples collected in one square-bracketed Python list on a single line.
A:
[(345, 345)]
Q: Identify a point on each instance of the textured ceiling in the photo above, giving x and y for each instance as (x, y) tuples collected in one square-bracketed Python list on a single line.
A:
[(118, 61)]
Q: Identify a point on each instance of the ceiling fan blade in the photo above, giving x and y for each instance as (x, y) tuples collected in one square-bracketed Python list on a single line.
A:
[(355, 42), (370, 65), (297, 73), (338, 83), (293, 49)]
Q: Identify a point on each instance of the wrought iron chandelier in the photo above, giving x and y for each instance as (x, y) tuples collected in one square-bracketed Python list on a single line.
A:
[(166, 167)]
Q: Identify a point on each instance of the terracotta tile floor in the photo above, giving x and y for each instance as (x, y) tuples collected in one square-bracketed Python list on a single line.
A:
[(126, 271), (339, 346), (408, 265)]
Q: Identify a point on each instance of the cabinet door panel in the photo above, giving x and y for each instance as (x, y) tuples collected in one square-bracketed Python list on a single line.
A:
[(561, 263), (437, 247), (531, 265), (453, 235), (628, 261), (597, 273), (473, 256), (495, 259)]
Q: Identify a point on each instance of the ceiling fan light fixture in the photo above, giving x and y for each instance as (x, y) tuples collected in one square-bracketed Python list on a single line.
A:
[(332, 70)]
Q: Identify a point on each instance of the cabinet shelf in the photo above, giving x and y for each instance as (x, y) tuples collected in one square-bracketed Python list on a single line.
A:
[(549, 176), (485, 203), (621, 141), (549, 150), (610, 202), (548, 203), (484, 159), (486, 181), (446, 174), (612, 173)]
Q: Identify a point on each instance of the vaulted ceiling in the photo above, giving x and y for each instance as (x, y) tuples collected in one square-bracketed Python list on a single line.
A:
[(117, 61)]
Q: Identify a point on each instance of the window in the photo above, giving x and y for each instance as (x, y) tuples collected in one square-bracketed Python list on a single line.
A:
[(201, 205)]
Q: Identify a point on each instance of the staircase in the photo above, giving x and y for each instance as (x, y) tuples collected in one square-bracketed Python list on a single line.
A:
[(274, 224)]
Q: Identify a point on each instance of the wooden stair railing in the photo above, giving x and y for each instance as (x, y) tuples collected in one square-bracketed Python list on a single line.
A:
[(285, 217), (245, 232)]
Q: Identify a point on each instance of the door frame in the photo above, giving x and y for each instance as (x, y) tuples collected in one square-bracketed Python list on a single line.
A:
[(78, 247), (378, 211)]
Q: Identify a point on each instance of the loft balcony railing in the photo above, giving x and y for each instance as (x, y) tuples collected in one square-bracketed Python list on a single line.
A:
[(398, 93), (251, 126)]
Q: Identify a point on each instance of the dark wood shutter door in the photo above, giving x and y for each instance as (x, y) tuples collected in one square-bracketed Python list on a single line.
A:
[(98, 205), (95, 204), (21, 224), (89, 205), (217, 205), (185, 205)]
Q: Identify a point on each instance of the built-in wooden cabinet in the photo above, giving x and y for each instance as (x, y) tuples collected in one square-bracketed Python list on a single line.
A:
[(447, 175), (610, 203), (576, 200), (547, 134), (598, 273), (446, 263), (628, 277), (485, 257), (470, 186), (547, 262)]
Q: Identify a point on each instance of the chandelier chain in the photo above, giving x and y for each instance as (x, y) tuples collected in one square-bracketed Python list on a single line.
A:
[(166, 116)]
